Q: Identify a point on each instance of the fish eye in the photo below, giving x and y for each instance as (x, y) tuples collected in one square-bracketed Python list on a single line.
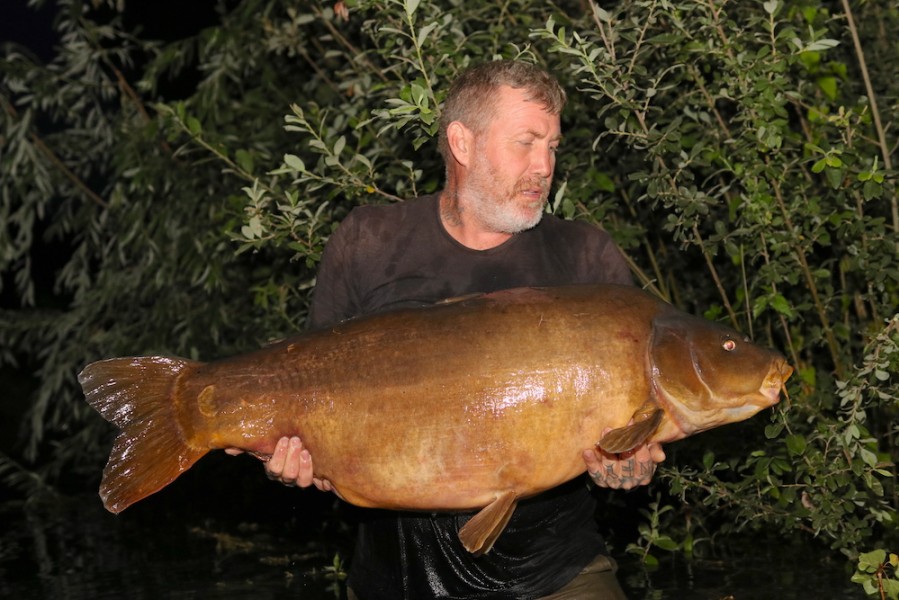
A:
[(729, 345)]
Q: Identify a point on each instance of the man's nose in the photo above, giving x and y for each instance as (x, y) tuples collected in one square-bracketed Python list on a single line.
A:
[(543, 161)]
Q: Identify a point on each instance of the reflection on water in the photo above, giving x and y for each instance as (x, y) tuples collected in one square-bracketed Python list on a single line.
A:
[(262, 542)]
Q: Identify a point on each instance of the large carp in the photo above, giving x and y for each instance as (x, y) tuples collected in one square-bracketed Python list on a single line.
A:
[(468, 404)]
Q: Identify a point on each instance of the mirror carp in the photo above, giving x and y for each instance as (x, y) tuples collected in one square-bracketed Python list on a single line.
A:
[(468, 405)]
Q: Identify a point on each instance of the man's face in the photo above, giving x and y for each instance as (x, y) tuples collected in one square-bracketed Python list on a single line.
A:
[(509, 177)]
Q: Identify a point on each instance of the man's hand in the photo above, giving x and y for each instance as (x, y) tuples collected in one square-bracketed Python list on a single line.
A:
[(291, 464), (624, 471)]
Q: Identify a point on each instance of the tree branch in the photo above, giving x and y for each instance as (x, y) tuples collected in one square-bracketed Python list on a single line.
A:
[(872, 99), (58, 163)]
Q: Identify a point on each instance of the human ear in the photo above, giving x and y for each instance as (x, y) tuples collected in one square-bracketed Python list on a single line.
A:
[(460, 140)]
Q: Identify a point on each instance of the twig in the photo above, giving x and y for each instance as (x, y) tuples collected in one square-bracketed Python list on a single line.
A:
[(872, 99), (708, 259), (54, 158), (810, 281)]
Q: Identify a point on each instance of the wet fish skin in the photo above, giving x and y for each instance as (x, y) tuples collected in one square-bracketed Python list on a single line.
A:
[(468, 404)]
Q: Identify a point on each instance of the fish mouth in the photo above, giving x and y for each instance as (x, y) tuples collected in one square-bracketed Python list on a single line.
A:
[(768, 394), (775, 382)]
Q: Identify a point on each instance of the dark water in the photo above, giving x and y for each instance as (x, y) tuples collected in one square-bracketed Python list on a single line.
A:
[(197, 540), (76, 552), (771, 572)]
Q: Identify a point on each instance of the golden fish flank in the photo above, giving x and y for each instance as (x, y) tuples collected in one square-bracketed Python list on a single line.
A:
[(421, 410)]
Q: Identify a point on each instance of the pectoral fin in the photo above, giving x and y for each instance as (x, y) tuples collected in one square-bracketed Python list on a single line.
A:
[(481, 531), (644, 423)]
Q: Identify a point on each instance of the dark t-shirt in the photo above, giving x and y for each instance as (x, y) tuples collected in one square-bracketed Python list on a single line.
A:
[(384, 257)]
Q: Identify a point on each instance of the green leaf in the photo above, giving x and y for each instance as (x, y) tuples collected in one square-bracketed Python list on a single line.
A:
[(339, 145), (820, 45), (781, 305), (666, 543), (424, 32), (828, 85), (601, 14), (868, 457), (411, 6), (294, 162), (253, 228), (796, 444), (872, 189), (244, 160), (834, 177), (869, 562)]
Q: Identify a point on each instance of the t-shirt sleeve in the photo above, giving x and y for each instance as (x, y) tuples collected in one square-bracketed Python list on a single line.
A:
[(612, 265), (596, 257)]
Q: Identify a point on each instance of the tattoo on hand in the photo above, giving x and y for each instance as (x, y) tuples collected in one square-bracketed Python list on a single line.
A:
[(629, 472)]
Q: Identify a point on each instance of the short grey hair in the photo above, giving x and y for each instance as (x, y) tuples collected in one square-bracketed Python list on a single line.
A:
[(470, 99)]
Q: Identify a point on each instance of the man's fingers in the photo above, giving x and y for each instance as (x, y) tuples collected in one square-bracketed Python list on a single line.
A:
[(304, 476), (291, 464), (591, 457), (657, 453), (292, 461), (322, 484), (274, 466)]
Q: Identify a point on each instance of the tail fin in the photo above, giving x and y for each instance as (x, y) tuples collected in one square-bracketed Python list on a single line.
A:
[(136, 395)]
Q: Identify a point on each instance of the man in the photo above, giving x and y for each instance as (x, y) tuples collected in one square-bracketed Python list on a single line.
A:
[(485, 231)]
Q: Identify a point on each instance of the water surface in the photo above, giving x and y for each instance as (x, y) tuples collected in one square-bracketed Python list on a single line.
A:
[(245, 538)]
